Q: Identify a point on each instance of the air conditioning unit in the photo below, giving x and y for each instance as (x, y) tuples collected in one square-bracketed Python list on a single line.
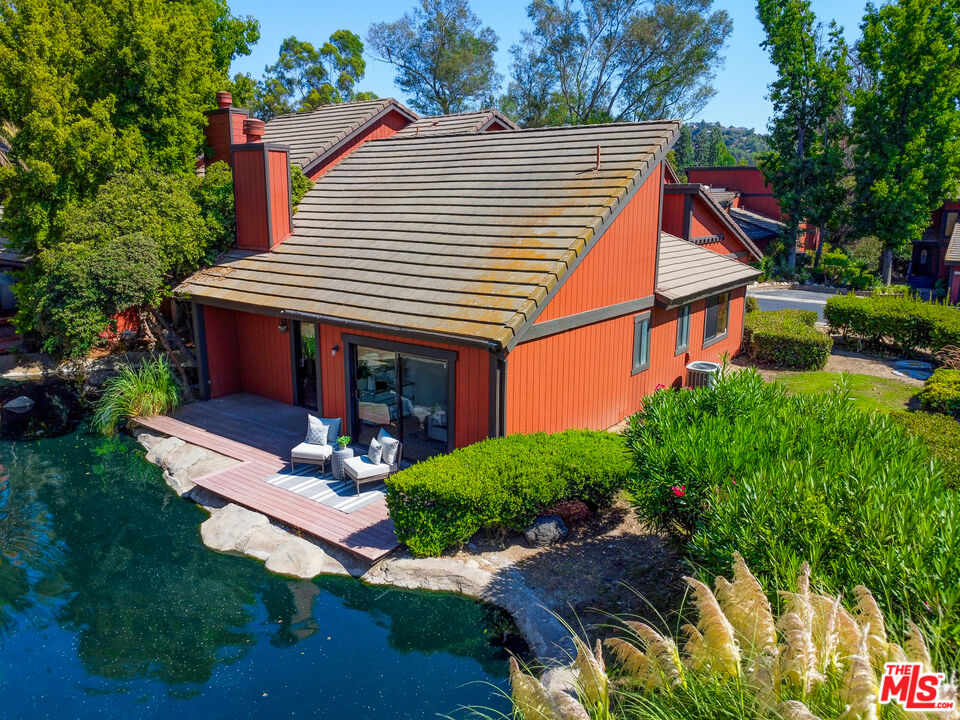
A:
[(701, 373)]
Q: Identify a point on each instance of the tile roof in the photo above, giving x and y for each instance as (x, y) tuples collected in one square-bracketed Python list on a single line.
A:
[(310, 135), (461, 236), (458, 123), (687, 272), (754, 225), (722, 196), (953, 248)]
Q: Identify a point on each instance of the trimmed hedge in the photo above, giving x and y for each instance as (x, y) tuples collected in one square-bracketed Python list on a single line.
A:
[(941, 392), (786, 338), (502, 483), (909, 322), (786, 478), (942, 435)]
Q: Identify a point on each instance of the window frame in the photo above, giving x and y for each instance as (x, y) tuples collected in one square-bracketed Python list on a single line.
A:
[(714, 302), (684, 312), (642, 332)]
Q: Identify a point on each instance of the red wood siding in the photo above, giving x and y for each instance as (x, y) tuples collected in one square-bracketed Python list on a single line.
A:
[(249, 191), (620, 267), (266, 368), (496, 126), (280, 196), (706, 222), (955, 286), (223, 356), (756, 195), (673, 214), (386, 127), (582, 378), (471, 385)]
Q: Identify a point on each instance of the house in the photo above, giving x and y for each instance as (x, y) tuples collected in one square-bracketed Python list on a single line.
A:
[(749, 200), (463, 281), (930, 257), (951, 260)]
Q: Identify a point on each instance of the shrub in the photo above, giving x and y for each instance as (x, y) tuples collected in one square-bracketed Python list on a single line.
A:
[(738, 660), (148, 390), (909, 322), (751, 305), (787, 338), (941, 434), (783, 478), (941, 392), (502, 483)]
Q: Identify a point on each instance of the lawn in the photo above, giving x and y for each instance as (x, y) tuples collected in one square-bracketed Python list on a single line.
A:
[(870, 392)]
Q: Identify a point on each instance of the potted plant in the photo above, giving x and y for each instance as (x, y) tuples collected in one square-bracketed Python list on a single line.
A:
[(343, 441)]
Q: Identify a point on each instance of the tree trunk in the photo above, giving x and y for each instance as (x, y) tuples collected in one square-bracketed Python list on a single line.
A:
[(821, 231), (886, 266), (791, 255)]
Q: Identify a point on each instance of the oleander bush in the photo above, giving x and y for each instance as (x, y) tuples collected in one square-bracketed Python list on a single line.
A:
[(907, 321), (941, 392), (787, 339), (783, 478), (941, 433), (502, 483), (808, 656)]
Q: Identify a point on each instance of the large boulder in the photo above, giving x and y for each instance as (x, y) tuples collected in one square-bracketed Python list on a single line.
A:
[(227, 530), (545, 530), (297, 558)]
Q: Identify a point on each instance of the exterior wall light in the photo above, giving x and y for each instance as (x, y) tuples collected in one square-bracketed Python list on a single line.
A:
[(282, 327), (334, 350)]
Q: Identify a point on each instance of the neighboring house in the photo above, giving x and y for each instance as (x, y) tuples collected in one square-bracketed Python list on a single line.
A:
[(744, 193), (929, 260), (457, 284), (951, 260), (691, 213)]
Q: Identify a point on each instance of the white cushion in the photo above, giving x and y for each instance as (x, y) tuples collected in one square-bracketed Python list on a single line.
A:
[(316, 431), (310, 451), (390, 447), (375, 453), (361, 467)]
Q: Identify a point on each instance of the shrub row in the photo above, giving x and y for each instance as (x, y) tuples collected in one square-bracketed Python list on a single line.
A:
[(502, 483), (786, 338), (786, 478), (909, 322), (941, 434), (941, 392)]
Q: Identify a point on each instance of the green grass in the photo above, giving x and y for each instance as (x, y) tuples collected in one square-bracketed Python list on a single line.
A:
[(868, 391)]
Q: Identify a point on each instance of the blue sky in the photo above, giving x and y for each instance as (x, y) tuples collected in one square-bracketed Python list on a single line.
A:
[(741, 82)]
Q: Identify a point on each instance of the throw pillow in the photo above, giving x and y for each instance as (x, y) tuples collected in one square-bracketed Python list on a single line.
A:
[(390, 447), (316, 431), (375, 452)]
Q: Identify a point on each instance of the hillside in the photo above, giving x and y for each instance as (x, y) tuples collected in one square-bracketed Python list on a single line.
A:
[(743, 143)]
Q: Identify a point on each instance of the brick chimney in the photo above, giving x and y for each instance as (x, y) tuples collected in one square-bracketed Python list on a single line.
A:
[(261, 190), (224, 128)]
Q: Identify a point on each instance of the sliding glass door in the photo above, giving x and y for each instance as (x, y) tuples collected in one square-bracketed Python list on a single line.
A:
[(407, 395), (305, 364)]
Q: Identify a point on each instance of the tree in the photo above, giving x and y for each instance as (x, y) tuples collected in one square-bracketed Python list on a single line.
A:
[(100, 88), (805, 167), (305, 78), (907, 119), (684, 150), (717, 154), (444, 59), (612, 60)]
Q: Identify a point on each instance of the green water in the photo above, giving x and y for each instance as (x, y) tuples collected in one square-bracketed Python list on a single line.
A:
[(110, 606)]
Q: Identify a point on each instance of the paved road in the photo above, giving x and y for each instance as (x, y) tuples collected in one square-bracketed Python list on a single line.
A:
[(781, 299)]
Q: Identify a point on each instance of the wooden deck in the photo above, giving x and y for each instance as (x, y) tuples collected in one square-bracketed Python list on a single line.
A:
[(260, 433)]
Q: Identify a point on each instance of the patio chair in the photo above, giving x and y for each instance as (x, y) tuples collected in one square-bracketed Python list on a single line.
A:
[(362, 470), (309, 453)]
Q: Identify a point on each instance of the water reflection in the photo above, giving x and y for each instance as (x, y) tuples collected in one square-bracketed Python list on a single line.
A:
[(102, 576)]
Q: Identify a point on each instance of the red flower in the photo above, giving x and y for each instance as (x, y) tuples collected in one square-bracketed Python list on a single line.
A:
[(679, 490), (661, 386), (687, 387)]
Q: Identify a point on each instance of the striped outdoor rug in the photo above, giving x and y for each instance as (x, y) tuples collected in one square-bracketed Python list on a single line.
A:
[(338, 494)]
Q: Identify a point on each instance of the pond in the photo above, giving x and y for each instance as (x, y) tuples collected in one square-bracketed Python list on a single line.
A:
[(111, 607)]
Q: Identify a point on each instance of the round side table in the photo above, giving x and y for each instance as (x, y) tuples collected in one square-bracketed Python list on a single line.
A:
[(336, 464)]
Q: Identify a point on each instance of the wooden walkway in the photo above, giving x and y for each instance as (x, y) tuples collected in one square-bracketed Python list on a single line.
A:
[(260, 433)]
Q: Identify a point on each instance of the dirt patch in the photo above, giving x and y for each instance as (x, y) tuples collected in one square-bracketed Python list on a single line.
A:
[(610, 563)]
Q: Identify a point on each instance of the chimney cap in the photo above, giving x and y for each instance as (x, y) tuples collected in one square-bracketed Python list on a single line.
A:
[(254, 129), (224, 99)]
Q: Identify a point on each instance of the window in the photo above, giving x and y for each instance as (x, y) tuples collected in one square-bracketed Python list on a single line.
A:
[(715, 318), (641, 342), (950, 222), (683, 329)]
